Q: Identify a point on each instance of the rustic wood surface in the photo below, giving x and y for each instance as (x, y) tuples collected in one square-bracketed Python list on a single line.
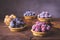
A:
[(6, 34)]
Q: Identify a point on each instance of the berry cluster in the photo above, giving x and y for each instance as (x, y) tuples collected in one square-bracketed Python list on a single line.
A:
[(29, 13), (41, 27), (17, 23), (44, 15)]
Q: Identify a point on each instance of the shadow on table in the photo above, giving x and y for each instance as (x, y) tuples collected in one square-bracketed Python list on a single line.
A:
[(55, 32)]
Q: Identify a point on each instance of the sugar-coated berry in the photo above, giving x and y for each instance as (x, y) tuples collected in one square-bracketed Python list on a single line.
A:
[(33, 14), (33, 27), (44, 15), (41, 27), (16, 22), (50, 16), (48, 28), (11, 24), (29, 13)]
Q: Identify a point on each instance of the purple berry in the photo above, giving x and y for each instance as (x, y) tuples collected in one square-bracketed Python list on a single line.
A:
[(11, 24)]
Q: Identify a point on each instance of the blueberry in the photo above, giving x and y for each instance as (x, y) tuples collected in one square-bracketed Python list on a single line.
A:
[(33, 14), (12, 24), (22, 22), (17, 22), (14, 19), (26, 15), (17, 19)]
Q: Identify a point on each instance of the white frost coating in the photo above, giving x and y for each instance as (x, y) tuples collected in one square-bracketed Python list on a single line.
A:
[(29, 13), (44, 15)]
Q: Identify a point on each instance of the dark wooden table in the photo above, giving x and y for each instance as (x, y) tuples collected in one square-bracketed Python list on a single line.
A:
[(6, 34)]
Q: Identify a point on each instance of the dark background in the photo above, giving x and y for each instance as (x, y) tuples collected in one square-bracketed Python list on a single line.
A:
[(18, 7)]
